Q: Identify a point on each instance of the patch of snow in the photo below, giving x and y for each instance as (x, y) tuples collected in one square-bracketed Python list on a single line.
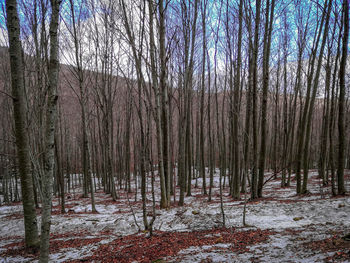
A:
[(278, 213)]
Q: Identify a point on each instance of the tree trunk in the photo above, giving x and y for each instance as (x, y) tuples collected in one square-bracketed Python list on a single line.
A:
[(51, 115), (266, 60), (158, 97), (309, 109), (254, 187), (236, 157), (21, 133), (341, 109)]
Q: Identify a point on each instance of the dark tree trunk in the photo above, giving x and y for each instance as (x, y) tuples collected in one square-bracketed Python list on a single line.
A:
[(21, 133), (341, 110)]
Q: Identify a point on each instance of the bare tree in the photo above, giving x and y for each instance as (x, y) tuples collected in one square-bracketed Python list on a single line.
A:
[(51, 115), (20, 112), (266, 60), (254, 84), (341, 113)]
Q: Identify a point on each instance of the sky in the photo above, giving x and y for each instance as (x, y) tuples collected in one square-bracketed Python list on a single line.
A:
[(84, 14)]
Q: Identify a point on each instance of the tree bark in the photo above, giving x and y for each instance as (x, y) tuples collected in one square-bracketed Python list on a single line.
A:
[(266, 60), (254, 187), (236, 157), (51, 115), (21, 132), (341, 109)]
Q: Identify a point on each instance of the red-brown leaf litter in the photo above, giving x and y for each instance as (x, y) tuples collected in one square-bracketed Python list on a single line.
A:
[(57, 242), (333, 244), (141, 248)]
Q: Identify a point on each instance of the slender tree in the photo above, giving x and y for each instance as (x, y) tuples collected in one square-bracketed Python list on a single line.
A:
[(51, 115), (236, 156), (254, 88), (341, 109), (266, 60)]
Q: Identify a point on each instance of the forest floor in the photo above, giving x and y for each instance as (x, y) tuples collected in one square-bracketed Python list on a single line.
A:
[(282, 227)]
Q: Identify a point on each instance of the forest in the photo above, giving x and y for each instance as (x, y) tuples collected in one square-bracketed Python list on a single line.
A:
[(174, 131)]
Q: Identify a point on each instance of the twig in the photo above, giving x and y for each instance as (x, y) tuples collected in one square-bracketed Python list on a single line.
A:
[(132, 211), (269, 179), (9, 95)]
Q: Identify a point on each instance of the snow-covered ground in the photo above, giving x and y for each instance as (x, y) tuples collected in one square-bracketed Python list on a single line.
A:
[(300, 228)]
